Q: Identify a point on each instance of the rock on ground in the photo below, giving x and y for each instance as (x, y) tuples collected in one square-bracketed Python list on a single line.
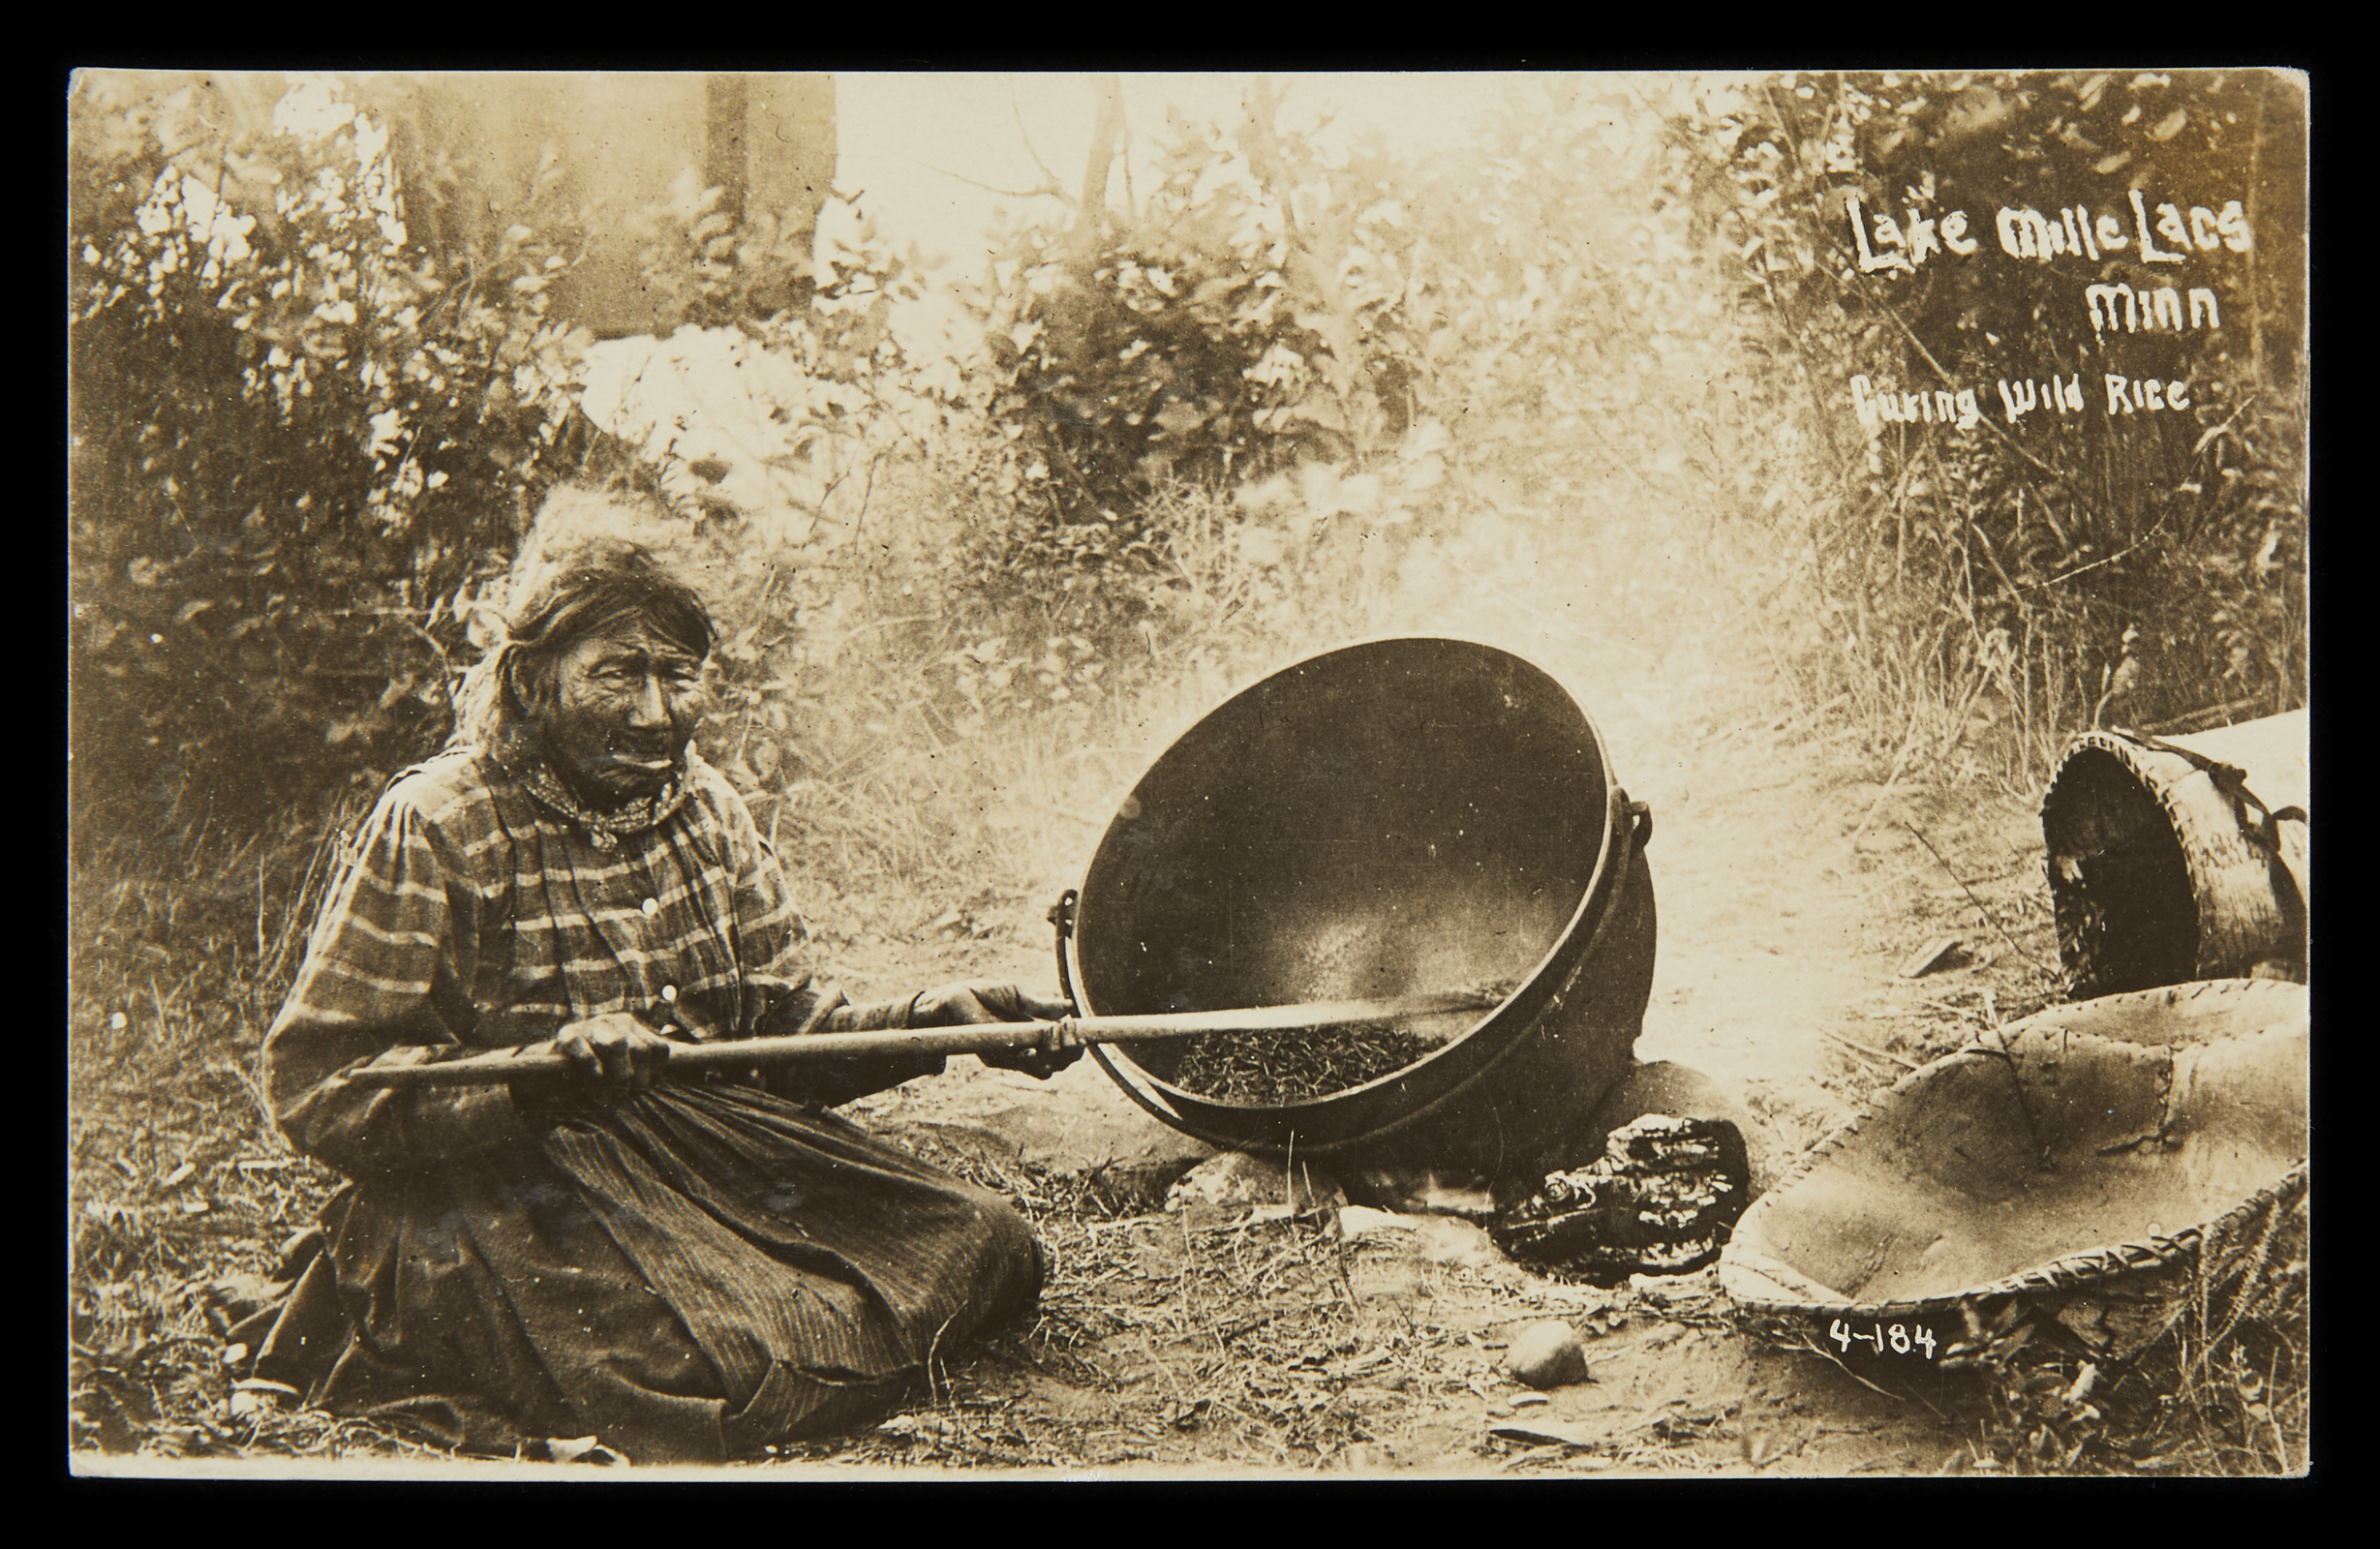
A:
[(1547, 1354)]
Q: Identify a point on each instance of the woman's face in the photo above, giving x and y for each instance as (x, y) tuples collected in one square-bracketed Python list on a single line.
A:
[(625, 704)]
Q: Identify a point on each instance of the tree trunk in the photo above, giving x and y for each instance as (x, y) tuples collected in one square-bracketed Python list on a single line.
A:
[(1107, 139)]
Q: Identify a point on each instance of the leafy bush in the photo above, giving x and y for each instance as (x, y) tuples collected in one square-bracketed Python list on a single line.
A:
[(1299, 395), (2013, 583), (783, 428), (1166, 351), (300, 443)]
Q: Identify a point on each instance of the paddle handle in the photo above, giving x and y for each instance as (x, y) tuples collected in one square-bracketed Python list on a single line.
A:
[(980, 1038)]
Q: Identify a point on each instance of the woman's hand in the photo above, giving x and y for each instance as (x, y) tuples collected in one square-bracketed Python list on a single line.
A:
[(611, 1057), (961, 1005)]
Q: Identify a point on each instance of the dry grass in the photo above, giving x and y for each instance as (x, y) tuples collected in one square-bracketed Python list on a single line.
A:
[(1186, 1342), (180, 949), (2224, 1391)]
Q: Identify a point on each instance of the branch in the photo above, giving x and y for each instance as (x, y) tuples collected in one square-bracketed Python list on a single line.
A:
[(1261, 146), (1868, 1049), (1049, 188), (1918, 344), (1981, 906), (1818, 1350), (1789, 123), (1015, 109), (2095, 563)]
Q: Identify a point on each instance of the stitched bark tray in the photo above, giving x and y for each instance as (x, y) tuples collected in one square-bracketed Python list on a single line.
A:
[(2108, 1150)]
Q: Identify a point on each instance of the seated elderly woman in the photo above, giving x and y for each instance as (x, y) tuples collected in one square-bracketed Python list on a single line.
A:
[(688, 1270)]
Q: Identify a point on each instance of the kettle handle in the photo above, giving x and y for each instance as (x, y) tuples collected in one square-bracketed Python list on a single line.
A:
[(1062, 924), (1640, 821)]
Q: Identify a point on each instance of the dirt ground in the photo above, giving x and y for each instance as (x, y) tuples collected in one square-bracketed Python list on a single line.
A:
[(1243, 1338), (1246, 1338)]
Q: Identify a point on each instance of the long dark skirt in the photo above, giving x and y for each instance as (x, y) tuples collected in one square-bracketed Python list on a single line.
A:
[(699, 1272)]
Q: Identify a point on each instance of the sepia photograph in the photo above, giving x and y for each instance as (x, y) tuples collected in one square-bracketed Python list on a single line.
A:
[(1150, 777)]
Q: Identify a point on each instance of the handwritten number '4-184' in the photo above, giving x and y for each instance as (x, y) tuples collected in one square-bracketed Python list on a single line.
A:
[(1900, 1338)]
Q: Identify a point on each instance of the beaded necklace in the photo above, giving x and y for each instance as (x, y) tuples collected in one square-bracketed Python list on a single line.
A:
[(604, 829)]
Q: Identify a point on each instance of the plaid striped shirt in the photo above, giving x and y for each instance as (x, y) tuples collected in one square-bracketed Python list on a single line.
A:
[(476, 914), (695, 1270)]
